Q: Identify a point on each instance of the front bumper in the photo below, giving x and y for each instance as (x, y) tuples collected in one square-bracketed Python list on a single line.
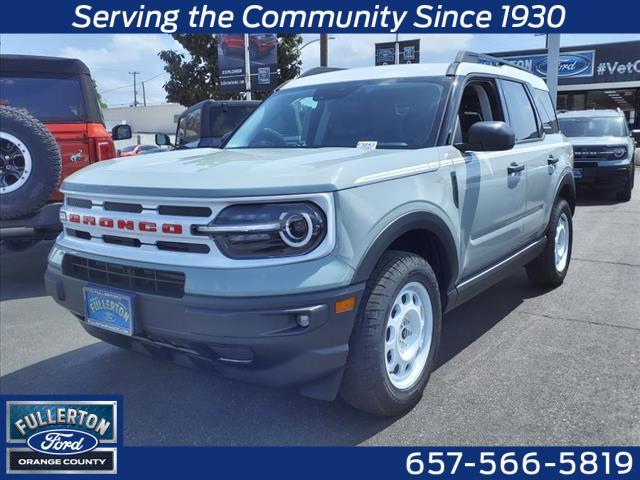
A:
[(593, 175), (256, 339)]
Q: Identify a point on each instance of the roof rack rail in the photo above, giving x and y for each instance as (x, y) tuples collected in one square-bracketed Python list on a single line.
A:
[(473, 57), (318, 70)]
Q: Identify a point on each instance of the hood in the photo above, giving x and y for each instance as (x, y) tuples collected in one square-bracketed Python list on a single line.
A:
[(246, 172), (588, 141)]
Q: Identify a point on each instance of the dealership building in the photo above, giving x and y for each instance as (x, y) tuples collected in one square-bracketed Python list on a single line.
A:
[(592, 76)]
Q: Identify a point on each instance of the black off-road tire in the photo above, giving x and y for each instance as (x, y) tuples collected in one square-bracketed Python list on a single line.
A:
[(365, 384), (46, 163), (624, 195), (542, 270)]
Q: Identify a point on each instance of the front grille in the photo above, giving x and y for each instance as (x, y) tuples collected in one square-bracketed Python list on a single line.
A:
[(123, 207), (596, 152), (184, 211), (145, 280)]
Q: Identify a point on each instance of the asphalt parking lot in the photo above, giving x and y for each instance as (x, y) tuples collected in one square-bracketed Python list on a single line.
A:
[(518, 365)]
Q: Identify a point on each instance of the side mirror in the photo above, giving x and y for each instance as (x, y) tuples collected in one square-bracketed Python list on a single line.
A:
[(162, 139), (121, 132), (490, 137)]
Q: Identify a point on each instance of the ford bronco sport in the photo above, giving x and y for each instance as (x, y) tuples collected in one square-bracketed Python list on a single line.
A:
[(50, 127), (603, 150), (320, 248)]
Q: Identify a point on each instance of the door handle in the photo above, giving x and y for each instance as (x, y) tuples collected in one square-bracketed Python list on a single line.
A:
[(515, 168), (552, 160)]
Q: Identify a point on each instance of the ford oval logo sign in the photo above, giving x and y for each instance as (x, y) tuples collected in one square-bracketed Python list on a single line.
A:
[(570, 66), (62, 442)]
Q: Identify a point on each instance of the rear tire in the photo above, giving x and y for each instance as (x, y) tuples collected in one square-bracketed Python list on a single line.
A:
[(551, 266), (30, 163), (392, 350)]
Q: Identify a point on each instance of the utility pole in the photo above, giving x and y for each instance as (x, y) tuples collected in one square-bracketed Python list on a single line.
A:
[(135, 87), (324, 50), (553, 65), (144, 95), (397, 49)]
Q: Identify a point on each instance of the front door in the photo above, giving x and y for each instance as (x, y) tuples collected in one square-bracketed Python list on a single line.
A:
[(492, 185)]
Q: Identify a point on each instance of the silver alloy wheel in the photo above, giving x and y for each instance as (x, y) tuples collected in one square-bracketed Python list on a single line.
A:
[(15, 163), (408, 336), (562, 242)]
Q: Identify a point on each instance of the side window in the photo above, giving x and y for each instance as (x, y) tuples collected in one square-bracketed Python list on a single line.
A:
[(479, 103), (546, 111), (192, 125), (521, 114), (180, 134)]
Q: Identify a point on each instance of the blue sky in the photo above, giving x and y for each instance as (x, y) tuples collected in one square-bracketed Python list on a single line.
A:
[(112, 56)]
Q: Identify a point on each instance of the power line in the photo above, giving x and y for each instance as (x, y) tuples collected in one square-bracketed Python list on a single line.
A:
[(114, 89)]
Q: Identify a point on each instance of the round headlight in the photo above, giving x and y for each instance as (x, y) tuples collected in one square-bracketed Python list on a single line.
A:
[(298, 229), (619, 152)]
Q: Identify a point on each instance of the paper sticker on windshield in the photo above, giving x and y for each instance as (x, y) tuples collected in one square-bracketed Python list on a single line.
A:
[(367, 145)]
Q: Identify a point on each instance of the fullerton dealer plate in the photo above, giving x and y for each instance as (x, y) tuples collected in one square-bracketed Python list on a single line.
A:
[(109, 309)]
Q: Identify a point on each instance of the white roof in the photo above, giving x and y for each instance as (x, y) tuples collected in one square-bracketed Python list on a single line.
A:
[(416, 70)]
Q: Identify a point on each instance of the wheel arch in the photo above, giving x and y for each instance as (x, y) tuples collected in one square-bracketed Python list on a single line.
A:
[(422, 233), (567, 189)]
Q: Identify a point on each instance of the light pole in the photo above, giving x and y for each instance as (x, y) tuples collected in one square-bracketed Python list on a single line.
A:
[(324, 48), (553, 64)]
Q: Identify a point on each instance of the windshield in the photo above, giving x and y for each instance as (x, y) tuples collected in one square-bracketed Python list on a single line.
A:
[(47, 99), (593, 127), (390, 113)]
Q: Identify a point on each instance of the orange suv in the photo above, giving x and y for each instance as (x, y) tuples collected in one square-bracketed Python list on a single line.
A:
[(50, 127)]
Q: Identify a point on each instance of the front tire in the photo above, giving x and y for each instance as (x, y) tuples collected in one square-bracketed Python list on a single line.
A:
[(396, 336), (552, 265), (624, 195)]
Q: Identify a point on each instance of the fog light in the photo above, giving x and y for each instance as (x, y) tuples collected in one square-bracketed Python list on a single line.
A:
[(304, 320)]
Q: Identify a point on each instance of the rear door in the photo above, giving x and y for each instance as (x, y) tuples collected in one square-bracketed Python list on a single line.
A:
[(544, 174), (533, 151)]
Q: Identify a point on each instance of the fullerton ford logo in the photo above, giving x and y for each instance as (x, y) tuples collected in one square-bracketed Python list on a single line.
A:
[(62, 436), (62, 442), (570, 66)]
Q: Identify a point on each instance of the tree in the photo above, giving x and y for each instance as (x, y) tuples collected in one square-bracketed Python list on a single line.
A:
[(101, 102), (195, 77)]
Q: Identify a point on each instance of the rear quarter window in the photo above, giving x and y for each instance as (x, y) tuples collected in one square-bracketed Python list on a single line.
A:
[(546, 111), (47, 99)]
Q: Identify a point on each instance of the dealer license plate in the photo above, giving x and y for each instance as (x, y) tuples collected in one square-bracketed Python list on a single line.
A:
[(109, 309)]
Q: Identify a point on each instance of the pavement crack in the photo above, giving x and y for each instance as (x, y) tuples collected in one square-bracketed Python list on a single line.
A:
[(578, 320), (608, 262)]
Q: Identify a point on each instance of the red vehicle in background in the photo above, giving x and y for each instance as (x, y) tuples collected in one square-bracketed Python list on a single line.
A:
[(50, 127), (260, 44), (133, 150)]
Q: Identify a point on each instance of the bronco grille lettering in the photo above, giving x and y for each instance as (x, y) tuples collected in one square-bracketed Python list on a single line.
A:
[(123, 224)]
